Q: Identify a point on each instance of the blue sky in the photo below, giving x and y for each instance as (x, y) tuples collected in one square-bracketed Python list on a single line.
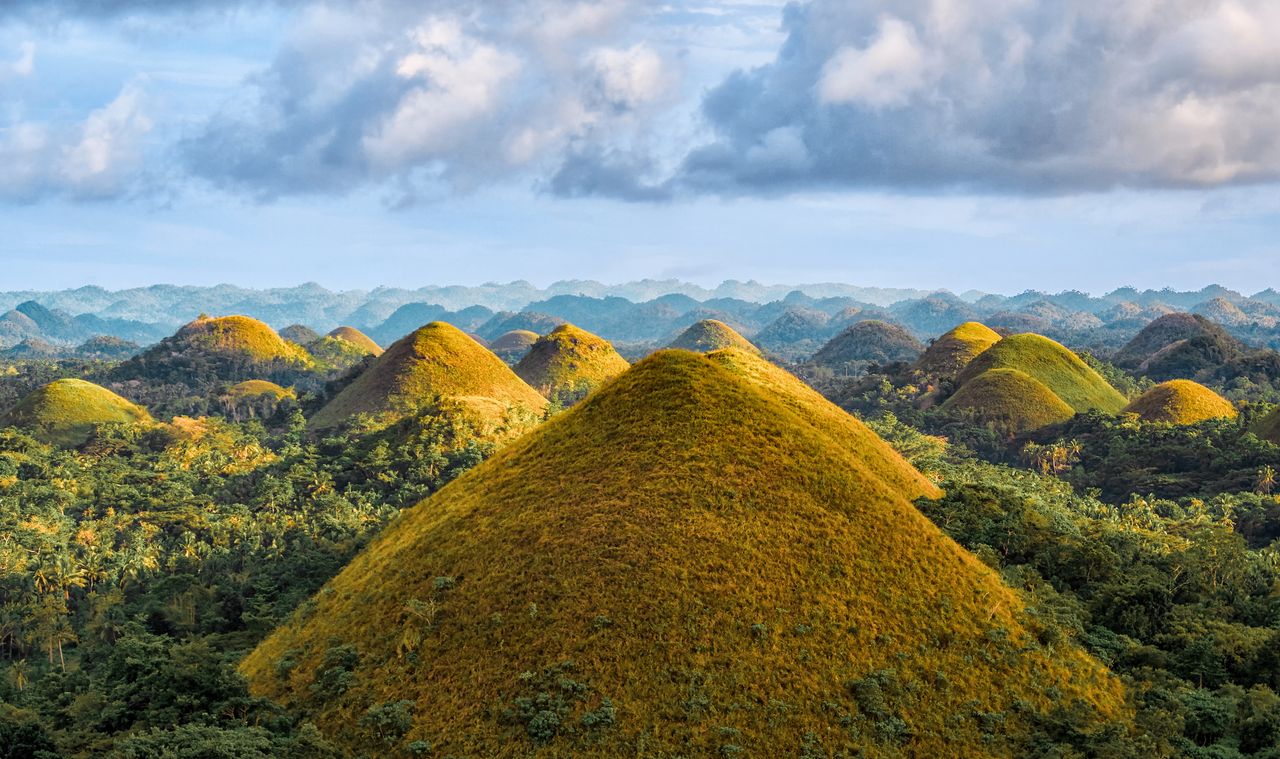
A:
[(995, 144)]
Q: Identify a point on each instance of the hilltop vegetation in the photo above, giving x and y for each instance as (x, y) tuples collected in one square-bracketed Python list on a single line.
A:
[(438, 361), (1049, 363), (66, 412), (953, 351), (704, 621), (711, 335), (1180, 402), (568, 363)]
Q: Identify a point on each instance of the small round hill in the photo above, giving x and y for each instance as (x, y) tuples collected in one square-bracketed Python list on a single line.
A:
[(953, 351), (438, 360), (299, 333), (254, 399), (1164, 332), (358, 338), (569, 363), (1010, 400), (711, 335), (64, 412), (870, 340), (1054, 366), (680, 565), (512, 346), (1268, 427), (1180, 402), (217, 350)]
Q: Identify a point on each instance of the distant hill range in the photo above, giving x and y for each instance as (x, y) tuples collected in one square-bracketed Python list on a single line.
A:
[(790, 321)]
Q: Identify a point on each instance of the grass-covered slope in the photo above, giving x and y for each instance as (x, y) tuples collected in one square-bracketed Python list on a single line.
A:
[(953, 351), (64, 412), (217, 349), (681, 565), (869, 340), (436, 360), (1164, 332), (569, 363), (512, 346), (711, 335), (1011, 400), (358, 338), (1180, 402), (1054, 366)]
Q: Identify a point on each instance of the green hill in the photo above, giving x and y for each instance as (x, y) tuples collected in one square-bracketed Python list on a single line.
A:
[(681, 565), (569, 363), (869, 340), (953, 351), (215, 350), (1180, 402), (358, 338), (1177, 342), (299, 333), (711, 335), (1268, 427), (438, 360), (512, 346), (254, 399), (1011, 400), (64, 412), (1051, 364)]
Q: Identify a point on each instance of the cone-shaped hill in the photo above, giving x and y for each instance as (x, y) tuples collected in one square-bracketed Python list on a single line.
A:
[(711, 335), (299, 333), (1181, 402), (64, 412), (870, 340), (225, 349), (569, 363), (953, 351), (438, 360), (512, 346), (1011, 400), (1167, 334), (254, 399), (680, 563), (357, 338), (1054, 366), (1268, 427)]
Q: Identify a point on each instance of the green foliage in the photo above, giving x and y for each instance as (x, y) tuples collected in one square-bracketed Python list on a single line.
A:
[(1049, 363)]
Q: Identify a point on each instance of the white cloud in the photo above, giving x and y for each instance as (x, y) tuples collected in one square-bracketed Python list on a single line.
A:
[(885, 73), (629, 78), (25, 64)]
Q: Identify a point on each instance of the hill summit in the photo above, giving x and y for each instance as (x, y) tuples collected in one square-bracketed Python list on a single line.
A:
[(953, 351), (1181, 402), (218, 349), (869, 340), (435, 361), (710, 335), (1052, 365), (512, 346), (65, 411), (569, 363), (683, 564), (357, 338), (1010, 400)]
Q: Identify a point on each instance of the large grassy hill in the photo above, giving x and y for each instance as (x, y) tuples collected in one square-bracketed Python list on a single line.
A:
[(1010, 400), (685, 564), (64, 412), (214, 350), (1054, 366), (570, 362), (1180, 402), (438, 360), (953, 351)]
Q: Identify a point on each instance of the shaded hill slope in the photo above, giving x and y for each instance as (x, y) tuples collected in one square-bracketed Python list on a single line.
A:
[(1054, 366)]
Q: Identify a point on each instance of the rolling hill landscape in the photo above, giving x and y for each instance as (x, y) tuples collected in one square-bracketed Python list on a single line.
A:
[(858, 542)]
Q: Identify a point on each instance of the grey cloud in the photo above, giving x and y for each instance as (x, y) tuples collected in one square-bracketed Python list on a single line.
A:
[(1054, 96)]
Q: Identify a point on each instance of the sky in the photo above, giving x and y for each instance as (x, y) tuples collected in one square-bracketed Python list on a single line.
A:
[(998, 145)]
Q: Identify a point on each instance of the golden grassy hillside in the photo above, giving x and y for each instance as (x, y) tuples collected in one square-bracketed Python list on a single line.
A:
[(1054, 366), (235, 336), (438, 360), (358, 338), (251, 389), (64, 412), (1181, 402), (953, 351), (569, 363), (1011, 400), (710, 335), (684, 564), (512, 346)]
